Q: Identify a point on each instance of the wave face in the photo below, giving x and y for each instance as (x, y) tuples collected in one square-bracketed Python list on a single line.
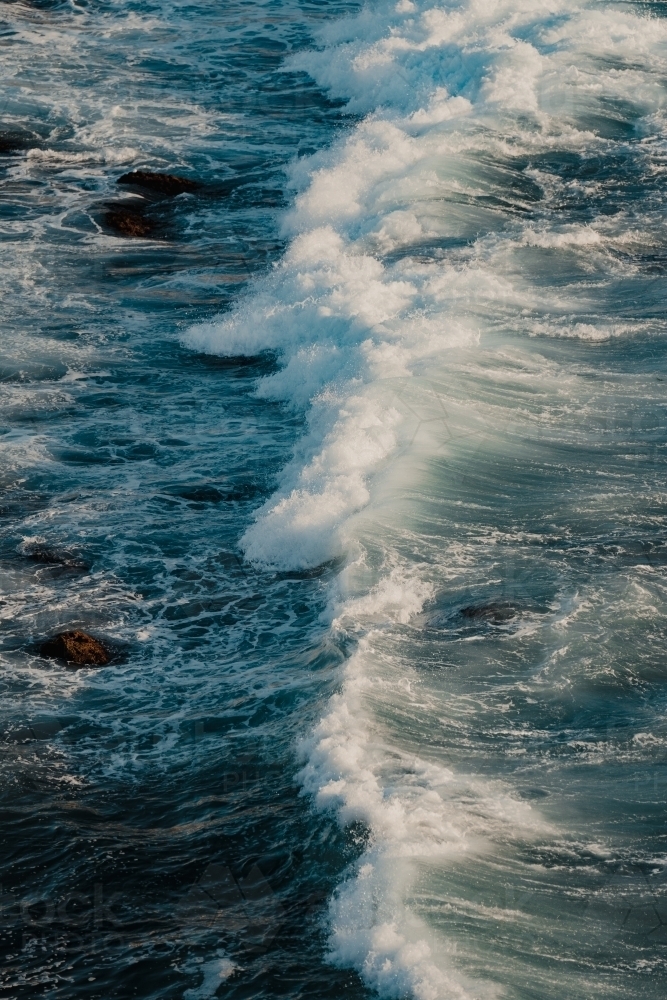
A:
[(470, 314)]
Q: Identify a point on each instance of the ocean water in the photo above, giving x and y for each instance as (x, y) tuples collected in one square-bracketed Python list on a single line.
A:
[(356, 460)]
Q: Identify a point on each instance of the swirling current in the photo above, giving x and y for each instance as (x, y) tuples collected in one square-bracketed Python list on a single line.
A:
[(348, 443)]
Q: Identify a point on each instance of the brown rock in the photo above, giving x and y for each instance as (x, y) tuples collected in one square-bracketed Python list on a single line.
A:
[(128, 221), (76, 647), (168, 184)]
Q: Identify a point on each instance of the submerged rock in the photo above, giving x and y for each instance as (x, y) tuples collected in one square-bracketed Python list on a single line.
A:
[(202, 494), (76, 647), (13, 141), (168, 184), (128, 221), (42, 730), (54, 557), (496, 613)]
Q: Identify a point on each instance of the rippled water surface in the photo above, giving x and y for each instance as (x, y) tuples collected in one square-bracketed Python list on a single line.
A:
[(130, 466), (353, 453)]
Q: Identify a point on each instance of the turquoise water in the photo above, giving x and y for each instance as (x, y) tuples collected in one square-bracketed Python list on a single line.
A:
[(356, 461)]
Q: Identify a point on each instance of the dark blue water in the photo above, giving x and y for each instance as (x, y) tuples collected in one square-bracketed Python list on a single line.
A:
[(130, 468), (353, 454)]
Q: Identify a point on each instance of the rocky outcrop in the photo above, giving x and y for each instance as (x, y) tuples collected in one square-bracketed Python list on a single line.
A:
[(76, 648), (146, 215), (166, 184)]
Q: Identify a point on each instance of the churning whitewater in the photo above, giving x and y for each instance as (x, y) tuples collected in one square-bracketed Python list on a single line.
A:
[(348, 443), (471, 314)]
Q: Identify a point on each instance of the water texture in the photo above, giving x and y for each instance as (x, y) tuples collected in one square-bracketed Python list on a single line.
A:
[(356, 459)]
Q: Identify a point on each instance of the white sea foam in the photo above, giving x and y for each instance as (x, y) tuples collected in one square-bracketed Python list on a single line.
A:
[(453, 94), (417, 811), (446, 84), (214, 972), (52, 157)]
